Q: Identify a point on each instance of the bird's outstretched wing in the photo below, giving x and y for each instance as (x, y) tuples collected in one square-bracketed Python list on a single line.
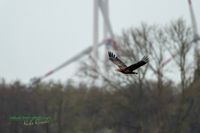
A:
[(142, 62), (116, 60)]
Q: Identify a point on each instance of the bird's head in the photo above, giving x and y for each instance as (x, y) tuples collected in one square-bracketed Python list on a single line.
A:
[(135, 73)]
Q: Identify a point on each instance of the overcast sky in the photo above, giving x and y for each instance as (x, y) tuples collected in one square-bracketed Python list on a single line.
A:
[(38, 35)]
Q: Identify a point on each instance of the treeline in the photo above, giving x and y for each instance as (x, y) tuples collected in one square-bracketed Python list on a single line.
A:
[(84, 109), (109, 102)]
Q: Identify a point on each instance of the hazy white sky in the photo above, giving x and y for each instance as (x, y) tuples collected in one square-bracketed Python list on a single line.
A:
[(38, 35)]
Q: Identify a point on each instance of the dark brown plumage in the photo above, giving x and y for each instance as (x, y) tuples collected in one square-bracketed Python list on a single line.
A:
[(122, 66)]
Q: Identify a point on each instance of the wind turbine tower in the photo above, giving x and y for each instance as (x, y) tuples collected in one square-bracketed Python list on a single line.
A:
[(108, 35)]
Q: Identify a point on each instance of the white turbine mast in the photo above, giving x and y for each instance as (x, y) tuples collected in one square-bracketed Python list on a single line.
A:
[(101, 5), (95, 33)]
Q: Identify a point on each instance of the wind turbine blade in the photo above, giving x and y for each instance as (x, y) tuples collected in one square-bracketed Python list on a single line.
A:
[(69, 61), (193, 21)]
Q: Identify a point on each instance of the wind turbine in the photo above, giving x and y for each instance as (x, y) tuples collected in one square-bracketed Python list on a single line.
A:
[(196, 36), (103, 6)]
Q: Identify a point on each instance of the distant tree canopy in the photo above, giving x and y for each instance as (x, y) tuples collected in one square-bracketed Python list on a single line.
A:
[(121, 104)]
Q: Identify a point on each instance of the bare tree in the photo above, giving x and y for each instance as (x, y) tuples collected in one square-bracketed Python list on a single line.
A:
[(179, 43), (179, 46)]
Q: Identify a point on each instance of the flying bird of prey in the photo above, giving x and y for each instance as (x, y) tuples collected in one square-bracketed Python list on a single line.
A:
[(122, 66)]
